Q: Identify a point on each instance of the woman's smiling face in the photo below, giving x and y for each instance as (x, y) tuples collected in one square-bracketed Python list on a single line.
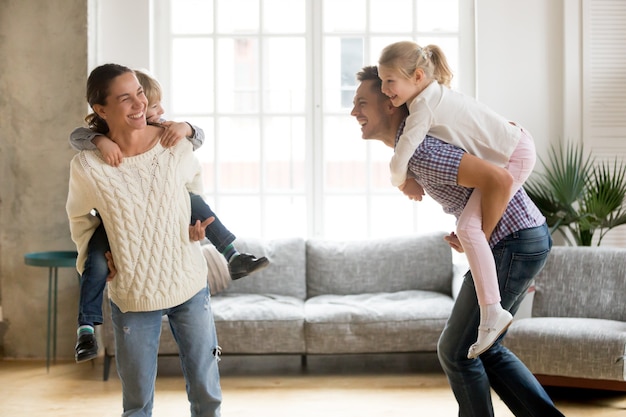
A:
[(126, 103)]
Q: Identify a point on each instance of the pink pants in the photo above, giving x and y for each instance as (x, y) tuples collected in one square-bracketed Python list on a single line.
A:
[(469, 225)]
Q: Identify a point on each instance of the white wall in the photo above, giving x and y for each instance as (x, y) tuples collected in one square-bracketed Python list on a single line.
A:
[(519, 58), (122, 32)]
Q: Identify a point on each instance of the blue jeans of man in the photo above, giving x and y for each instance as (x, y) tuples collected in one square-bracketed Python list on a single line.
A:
[(96, 270), (519, 257), (137, 337)]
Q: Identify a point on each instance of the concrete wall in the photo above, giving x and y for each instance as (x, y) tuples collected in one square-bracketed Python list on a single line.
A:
[(43, 70)]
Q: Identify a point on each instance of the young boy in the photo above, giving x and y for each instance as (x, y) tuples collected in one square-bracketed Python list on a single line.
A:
[(96, 270)]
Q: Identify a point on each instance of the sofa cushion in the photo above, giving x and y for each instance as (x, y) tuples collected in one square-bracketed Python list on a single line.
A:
[(259, 323), (404, 321), (379, 265), (285, 274), (571, 347), (582, 282)]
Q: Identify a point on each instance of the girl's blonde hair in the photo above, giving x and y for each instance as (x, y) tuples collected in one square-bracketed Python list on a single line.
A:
[(151, 87), (407, 57)]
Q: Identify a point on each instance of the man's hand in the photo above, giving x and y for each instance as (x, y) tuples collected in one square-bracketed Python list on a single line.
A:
[(198, 230), (174, 132), (110, 150), (412, 189), (111, 265), (453, 241)]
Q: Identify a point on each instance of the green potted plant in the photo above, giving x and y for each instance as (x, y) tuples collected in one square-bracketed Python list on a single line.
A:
[(579, 196)]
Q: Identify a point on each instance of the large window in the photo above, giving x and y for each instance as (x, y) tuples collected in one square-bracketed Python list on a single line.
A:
[(271, 83)]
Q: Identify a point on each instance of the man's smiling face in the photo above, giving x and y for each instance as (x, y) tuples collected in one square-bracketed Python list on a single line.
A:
[(369, 111)]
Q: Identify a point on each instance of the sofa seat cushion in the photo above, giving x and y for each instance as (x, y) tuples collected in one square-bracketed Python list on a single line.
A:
[(404, 321), (259, 323), (570, 347)]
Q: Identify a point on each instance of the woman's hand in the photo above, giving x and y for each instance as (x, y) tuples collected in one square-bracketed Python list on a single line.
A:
[(198, 230), (412, 189), (111, 265)]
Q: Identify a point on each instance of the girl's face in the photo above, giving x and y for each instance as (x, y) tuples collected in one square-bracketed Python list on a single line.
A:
[(154, 112), (397, 87), (125, 105)]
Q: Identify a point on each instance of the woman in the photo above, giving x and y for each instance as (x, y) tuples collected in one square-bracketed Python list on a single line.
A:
[(144, 205)]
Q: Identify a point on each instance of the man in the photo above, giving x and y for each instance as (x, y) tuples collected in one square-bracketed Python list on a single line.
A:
[(520, 243)]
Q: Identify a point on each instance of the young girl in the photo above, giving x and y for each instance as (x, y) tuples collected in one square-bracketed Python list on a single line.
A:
[(95, 272), (420, 77)]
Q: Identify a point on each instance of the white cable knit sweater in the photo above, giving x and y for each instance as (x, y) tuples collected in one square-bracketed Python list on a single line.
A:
[(144, 204)]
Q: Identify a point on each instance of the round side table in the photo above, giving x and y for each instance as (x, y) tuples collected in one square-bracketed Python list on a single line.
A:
[(53, 260)]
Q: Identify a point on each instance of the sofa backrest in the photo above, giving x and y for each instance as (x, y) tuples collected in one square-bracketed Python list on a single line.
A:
[(582, 282), (285, 274), (421, 262)]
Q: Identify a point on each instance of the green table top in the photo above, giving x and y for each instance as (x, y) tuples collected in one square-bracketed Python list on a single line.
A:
[(52, 258)]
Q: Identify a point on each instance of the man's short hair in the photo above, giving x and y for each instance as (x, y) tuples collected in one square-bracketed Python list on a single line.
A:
[(370, 73)]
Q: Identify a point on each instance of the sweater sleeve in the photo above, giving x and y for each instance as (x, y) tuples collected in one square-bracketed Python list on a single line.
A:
[(80, 202), (81, 139)]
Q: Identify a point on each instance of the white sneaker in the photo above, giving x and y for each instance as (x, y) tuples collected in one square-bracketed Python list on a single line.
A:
[(488, 335)]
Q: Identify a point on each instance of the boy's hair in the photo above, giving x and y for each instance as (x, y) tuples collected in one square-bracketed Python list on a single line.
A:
[(407, 57), (151, 87)]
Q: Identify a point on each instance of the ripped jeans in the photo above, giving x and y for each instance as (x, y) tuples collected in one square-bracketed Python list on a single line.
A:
[(137, 337)]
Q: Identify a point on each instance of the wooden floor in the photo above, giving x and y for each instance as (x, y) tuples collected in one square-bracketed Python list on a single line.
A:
[(359, 386)]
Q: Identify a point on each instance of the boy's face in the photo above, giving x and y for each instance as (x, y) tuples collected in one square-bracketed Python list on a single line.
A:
[(154, 112)]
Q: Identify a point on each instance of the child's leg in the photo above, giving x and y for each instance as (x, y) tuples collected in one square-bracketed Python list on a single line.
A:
[(494, 320), (92, 284), (239, 264), (93, 280), (216, 232)]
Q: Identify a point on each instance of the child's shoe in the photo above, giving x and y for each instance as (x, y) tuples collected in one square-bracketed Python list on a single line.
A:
[(243, 264), (487, 335), (86, 347)]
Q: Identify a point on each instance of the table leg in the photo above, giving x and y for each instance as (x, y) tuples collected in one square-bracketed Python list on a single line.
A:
[(49, 319), (54, 332)]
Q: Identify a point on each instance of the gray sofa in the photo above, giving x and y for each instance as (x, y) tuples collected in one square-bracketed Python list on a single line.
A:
[(576, 335), (329, 297)]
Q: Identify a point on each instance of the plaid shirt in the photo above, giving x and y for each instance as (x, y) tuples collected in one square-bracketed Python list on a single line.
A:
[(435, 165)]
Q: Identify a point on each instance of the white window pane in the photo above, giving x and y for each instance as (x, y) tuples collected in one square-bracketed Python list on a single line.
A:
[(285, 75), (284, 152), (431, 217), (192, 16), (240, 16), (192, 85), (345, 165), (345, 217), (239, 150), (438, 15), (238, 75), (206, 153), (344, 15), (284, 16), (240, 214), (391, 15), (285, 216), (343, 58), (391, 215)]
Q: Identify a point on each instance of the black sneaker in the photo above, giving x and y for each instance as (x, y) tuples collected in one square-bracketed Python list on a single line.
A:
[(86, 347), (244, 264)]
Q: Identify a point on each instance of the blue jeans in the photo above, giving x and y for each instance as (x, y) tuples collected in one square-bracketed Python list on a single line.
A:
[(137, 337), (93, 280), (96, 270), (216, 232), (519, 257)]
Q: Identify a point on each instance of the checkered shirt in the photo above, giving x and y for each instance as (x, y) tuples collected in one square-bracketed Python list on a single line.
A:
[(435, 165)]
